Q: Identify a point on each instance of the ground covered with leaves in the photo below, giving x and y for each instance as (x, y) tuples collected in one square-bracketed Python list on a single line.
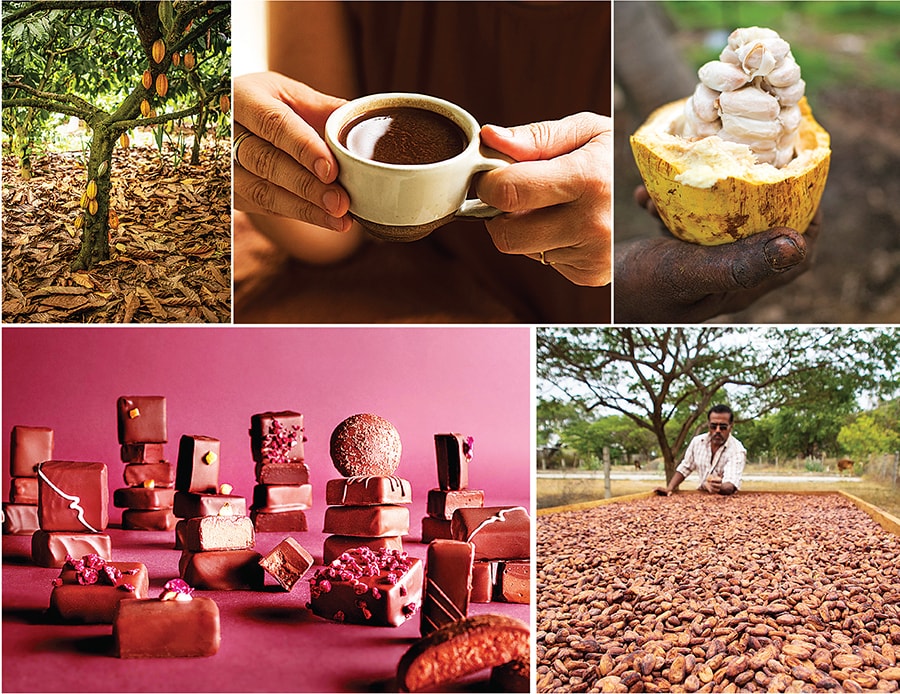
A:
[(170, 255)]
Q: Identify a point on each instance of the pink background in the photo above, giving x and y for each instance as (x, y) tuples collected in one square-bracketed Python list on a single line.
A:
[(425, 380)]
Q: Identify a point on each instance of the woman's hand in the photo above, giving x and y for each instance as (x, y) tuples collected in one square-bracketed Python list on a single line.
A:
[(557, 197)]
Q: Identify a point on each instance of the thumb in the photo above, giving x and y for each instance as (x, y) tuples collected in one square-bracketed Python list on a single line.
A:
[(545, 139), (744, 264)]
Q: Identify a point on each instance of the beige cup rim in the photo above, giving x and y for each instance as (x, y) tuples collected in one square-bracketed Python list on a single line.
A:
[(356, 107)]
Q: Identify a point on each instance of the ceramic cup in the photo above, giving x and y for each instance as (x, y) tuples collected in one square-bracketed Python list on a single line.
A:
[(405, 202)]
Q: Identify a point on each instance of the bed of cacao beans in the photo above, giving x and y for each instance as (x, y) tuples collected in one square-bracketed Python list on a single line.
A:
[(700, 593)]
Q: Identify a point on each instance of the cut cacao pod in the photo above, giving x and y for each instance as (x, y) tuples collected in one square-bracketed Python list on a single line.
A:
[(147, 79), (711, 191), (159, 50), (162, 84)]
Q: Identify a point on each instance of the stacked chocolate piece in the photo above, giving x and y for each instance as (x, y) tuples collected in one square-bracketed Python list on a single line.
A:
[(73, 512), (28, 447), (454, 453), (149, 497), (367, 506), (215, 534), (282, 493)]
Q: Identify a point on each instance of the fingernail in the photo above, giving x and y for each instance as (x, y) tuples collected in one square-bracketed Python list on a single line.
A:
[(336, 223), (332, 202), (782, 253), (323, 169)]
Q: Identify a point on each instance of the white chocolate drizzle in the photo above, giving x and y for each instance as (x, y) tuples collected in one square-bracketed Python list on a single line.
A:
[(498, 517), (396, 483), (75, 504)]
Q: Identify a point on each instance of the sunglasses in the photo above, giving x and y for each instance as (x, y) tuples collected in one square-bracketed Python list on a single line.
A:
[(719, 425)]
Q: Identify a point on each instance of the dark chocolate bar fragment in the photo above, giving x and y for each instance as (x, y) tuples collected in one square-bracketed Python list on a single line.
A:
[(141, 419), (144, 498), (370, 490), (167, 628), (73, 496), (96, 603), (282, 497), (453, 453), (367, 521), (277, 437), (161, 474), (287, 562), (443, 502), (198, 465), (280, 521), (282, 473), (153, 519), (336, 545), (142, 453), (20, 519), (229, 569), (484, 577), (217, 533), (382, 588), (435, 529), (448, 582), (28, 448), (191, 505), (23, 490), (498, 532), (51, 549), (514, 584)]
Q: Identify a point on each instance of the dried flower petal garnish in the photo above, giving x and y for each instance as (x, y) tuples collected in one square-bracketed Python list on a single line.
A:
[(278, 442), (469, 448), (93, 569)]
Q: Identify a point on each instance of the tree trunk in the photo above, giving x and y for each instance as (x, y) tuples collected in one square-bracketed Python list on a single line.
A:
[(199, 132), (22, 147), (95, 241), (607, 482)]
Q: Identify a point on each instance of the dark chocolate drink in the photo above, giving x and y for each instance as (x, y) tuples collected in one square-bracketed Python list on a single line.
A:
[(403, 135)]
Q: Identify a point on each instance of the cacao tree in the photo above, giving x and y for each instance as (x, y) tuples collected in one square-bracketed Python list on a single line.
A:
[(94, 59)]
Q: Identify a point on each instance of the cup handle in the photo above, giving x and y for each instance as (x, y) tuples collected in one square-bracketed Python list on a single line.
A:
[(473, 208)]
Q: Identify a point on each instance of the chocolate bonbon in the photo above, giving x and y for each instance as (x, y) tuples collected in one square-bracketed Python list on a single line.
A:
[(277, 437), (73, 496), (28, 447), (336, 545), (191, 505), (52, 549), (498, 532), (161, 474), (144, 498), (365, 444), (514, 584), (142, 453), (89, 589), (435, 529), (230, 569), (293, 520), (367, 521), (460, 649), (152, 519), (217, 533), (287, 562), (141, 419), (484, 577), (368, 491), (282, 473), (382, 588), (20, 519), (442, 503), (453, 452), (198, 464), (167, 628), (448, 582), (23, 490), (282, 497)]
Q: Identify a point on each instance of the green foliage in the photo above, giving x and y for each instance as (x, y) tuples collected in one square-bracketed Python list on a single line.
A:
[(871, 433), (813, 465)]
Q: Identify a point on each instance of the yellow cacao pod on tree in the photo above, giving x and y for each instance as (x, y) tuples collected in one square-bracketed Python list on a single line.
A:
[(79, 221), (92, 206), (166, 14), (124, 140), (147, 79), (712, 192), (91, 191), (159, 50), (84, 200), (224, 103), (152, 113), (162, 84), (113, 219), (145, 108), (190, 61), (176, 58)]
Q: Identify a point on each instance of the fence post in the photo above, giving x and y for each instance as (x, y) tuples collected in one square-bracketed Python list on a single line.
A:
[(607, 484)]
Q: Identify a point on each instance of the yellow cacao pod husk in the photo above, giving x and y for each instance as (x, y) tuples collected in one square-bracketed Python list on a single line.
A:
[(79, 221), (92, 206), (224, 103), (113, 219), (162, 84), (84, 200), (166, 14), (145, 108), (91, 191), (159, 50), (190, 61), (147, 79), (124, 140), (102, 169), (152, 113), (713, 192), (176, 58)]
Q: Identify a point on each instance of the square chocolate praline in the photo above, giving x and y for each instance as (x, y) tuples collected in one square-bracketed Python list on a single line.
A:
[(142, 453), (51, 549), (382, 588), (287, 562), (261, 427), (142, 419), (144, 498), (192, 505), (73, 496), (442, 503), (23, 490), (282, 473), (19, 519), (161, 474), (371, 490), (97, 603), (198, 465), (28, 447), (167, 628)]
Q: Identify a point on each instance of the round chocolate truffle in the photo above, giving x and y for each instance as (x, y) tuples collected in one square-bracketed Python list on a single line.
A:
[(365, 444)]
